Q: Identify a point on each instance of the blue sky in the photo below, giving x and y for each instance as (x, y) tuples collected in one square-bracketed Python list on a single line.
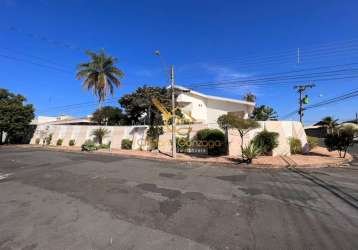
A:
[(206, 41)]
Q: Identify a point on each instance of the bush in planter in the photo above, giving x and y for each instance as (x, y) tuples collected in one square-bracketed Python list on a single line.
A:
[(295, 145), (48, 139), (71, 142), (312, 142), (266, 141), (126, 144), (213, 139), (88, 145), (250, 152), (59, 142), (37, 141)]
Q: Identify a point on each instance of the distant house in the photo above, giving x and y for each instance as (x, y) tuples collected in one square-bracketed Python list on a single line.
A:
[(207, 108), (62, 120)]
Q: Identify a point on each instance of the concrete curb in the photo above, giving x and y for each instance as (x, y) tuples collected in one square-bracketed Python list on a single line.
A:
[(289, 161)]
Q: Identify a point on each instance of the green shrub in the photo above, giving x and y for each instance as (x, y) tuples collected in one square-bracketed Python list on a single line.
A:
[(59, 142), (312, 142), (341, 140), (153, 134), (105, 146), (295, 145), (266, 141), (71, 142), (37, 141), (48, 139), (250, 152), (213, 139), (126, 144), (88, 145)]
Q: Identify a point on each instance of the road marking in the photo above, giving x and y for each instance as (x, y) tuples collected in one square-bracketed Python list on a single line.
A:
[(4, 176)]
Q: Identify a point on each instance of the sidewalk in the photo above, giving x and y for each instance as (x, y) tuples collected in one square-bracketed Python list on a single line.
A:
[(318, 157)]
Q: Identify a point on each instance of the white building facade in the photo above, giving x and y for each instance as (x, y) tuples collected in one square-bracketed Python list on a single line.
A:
[(207, 109)]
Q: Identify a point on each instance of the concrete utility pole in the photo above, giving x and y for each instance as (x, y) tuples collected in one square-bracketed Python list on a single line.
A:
[(357, 117), (172, 82), (302, 100)]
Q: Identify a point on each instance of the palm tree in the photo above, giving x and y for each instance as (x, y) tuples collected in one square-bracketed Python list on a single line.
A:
[(99, 134), (100, 74), (330, 123), (250, 97)]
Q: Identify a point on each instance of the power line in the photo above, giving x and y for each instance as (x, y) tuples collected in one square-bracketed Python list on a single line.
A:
[(340, 98), (36, 63)]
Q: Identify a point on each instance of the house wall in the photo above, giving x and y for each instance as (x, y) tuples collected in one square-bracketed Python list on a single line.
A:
[(82, 133), (285, 129), (137, 134), (197, 106), (217, 108)]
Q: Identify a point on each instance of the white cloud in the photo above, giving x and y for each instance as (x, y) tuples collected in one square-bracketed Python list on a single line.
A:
[(221, 73)]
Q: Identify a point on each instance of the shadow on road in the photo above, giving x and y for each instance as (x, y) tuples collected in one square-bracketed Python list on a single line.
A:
[(339, 193)]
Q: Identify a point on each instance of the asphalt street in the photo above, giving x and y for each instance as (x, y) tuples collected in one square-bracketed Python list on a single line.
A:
[(58, 200)]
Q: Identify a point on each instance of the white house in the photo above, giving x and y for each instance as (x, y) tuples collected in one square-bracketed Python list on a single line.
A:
[(206, 108)]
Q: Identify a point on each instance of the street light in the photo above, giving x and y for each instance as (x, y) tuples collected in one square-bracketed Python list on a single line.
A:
[(172, 83)]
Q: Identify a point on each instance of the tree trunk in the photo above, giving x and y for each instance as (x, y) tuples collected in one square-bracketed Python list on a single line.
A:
[(242, 144)]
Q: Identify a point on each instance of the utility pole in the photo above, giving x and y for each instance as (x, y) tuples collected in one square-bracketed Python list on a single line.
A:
[(302, 100), (172, 82), (357, 117)]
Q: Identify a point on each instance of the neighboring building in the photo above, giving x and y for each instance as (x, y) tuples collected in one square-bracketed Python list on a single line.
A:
[(206, 108), (62, 120)]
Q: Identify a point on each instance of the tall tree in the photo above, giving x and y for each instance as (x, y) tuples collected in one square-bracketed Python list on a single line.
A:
[(139, 108), (264, 113), (15, 117), (109, 116), (100, 74)]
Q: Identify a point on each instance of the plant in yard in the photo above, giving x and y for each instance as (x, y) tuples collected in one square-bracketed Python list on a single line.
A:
[(126, 144), (213, 139), (48, 139), (99, 134), (243, 126), (341, 140), (104, 146), (72, 142), (88, 145), (100, 74), (312, 142), (153, 134), (264, 113), (295, 145), (266, 141), (37, 141), (250, 152), (59, 142)]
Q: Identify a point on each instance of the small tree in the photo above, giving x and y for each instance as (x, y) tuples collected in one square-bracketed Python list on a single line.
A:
[(99, 134), (243, 126), (341, 139), (264, 113)]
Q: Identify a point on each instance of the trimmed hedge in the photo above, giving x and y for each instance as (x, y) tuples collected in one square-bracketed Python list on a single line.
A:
[(88, 145), (72, 142), (213, 139), (126, 144), (59, 142)]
